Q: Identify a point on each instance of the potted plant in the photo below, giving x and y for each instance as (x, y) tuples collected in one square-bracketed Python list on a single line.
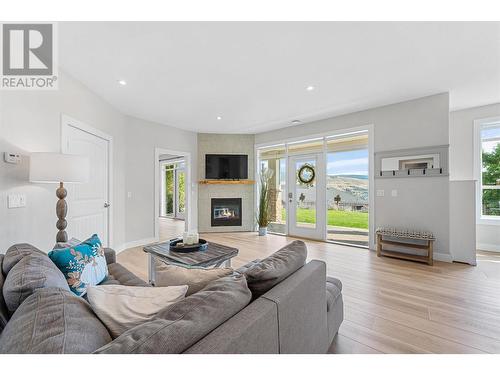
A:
[(263, 215)]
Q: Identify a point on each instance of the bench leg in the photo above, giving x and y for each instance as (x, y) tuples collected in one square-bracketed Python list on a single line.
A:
[(430, 260), (379, 244)]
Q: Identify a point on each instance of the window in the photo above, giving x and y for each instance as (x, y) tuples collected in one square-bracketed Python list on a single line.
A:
[(488, 134), (273, 158)]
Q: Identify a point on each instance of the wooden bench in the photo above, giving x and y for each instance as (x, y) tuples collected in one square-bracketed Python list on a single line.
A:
[(399, 238)]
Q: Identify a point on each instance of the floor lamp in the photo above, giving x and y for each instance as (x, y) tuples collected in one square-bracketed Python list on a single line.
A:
[(47, 167)]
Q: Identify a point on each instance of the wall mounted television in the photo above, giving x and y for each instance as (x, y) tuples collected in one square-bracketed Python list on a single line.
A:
[(226, 167)]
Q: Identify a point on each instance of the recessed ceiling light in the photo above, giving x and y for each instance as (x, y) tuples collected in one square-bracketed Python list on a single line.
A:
[(296, 122), (122, 82), (310, 88), (219, 118)]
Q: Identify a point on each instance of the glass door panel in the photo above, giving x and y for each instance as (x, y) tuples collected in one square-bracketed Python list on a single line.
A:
[(169, 191), (304, 199), (347, 189), (180, 193), (273, 158)]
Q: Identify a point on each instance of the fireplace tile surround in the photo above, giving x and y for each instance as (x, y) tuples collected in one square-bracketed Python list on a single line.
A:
[(226, 144)]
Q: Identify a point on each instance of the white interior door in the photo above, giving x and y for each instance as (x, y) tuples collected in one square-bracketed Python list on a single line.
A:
[(306, 201), (88, 203)]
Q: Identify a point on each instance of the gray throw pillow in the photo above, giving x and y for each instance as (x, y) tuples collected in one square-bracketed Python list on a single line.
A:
[(32, 272), (17, 252), (53, 321), (276, 268), (177, 327), (4, 315), (195, 278)]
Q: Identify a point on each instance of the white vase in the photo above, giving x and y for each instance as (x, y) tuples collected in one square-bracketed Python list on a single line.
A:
[(262, 231)]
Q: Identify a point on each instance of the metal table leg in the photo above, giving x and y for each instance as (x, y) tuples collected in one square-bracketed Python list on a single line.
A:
[(151, 269)]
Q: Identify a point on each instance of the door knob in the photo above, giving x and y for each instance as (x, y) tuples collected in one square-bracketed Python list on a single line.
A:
[(106, 205)]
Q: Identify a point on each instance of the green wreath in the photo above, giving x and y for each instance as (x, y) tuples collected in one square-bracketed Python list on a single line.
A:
[(306, 174)]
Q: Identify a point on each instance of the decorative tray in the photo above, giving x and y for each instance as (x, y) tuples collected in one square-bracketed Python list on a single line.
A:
[(179, 247)]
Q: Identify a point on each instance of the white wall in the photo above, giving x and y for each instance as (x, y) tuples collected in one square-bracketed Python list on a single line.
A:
[(421, 202), (142, 138), (30, 122), (462, 161)]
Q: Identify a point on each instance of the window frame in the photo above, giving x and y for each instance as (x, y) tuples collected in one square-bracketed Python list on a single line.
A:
[(478, 165)]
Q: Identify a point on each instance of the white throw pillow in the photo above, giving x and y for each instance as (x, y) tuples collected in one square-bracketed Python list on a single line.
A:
[(195, 278), (122, 307)]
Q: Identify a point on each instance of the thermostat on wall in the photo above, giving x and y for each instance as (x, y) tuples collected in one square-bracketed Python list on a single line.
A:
[(9, 157)]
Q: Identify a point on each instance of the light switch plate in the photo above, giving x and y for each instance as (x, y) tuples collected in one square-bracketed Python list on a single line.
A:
[(394, 193), (16, 200), (380, 193)]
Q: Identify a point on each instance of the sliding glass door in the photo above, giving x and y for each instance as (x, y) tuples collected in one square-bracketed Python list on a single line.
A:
[(320, 187), (347, 190), (173, 190)]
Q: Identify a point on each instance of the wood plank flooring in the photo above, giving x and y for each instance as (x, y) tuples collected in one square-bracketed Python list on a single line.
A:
[(391, 306)]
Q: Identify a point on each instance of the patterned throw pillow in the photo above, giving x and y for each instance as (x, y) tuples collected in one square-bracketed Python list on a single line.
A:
[(82, 265)]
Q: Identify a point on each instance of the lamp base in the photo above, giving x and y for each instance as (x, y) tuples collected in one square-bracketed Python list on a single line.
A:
[(61, 211)]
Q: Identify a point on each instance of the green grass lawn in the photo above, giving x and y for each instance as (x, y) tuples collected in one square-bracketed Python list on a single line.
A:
[(347, 219)]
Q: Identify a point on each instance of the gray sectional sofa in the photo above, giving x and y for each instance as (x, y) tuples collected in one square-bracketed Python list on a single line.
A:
[(300, 314)]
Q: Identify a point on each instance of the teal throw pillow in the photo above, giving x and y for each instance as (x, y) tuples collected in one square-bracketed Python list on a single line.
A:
[(83, 264)]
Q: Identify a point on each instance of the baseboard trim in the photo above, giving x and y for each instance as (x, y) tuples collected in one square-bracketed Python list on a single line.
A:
[(442, 257), (141, 242), (488, 247)]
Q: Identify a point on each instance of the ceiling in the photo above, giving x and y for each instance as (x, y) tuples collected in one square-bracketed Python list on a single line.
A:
[(254, 75)]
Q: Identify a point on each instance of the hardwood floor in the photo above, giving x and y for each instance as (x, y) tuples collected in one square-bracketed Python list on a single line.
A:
[(391, 306), (170, 228)]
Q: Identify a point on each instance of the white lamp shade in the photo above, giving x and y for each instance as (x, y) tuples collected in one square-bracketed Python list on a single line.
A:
[(54, 167)]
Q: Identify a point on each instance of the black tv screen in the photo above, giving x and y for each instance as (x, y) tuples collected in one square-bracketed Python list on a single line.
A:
[(226, 167)]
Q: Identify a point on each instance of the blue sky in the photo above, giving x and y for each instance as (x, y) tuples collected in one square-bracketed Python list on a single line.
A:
[(490, 137), (348, 162)]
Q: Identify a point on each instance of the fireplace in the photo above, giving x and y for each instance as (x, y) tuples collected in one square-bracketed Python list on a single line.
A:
[(226, 212)]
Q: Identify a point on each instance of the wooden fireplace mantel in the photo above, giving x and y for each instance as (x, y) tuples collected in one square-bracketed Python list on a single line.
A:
[(226, 182)]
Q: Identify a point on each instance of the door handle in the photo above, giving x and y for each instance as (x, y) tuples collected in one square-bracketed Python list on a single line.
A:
[(106, 205)]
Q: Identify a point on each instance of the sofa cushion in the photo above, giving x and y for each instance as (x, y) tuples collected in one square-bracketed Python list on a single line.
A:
[(333, 291), (177, 327), (275, 268), (120, 275), (53, 321), (246, 267), (82, 265), (4, 315), (110, 280), (32, 272), (110, 255), (17, 252), (196, 278), (122, 307)]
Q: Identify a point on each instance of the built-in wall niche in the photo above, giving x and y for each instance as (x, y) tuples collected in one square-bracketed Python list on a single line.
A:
[(415, 162)]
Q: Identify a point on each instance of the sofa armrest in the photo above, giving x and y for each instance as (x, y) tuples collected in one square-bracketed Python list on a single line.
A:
[(110, 255), (254, 330), (301, 306)]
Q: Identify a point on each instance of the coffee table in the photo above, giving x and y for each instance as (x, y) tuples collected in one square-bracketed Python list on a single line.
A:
[(216, 255)]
